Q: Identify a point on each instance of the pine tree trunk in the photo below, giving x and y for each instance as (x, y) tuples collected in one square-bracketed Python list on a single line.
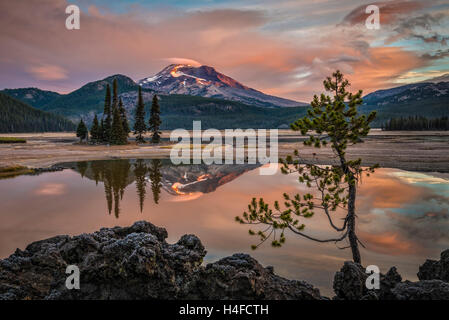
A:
[(351, 225)]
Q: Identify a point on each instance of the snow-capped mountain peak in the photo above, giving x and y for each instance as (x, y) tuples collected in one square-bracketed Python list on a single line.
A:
[(205, 81)]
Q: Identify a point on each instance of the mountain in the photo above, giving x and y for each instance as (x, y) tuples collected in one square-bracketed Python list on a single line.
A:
[(18, 116), (33, 96), (205, 81), (424, 99), (89, 99)]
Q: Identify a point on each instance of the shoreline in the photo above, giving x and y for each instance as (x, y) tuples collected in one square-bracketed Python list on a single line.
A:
[(406, 150)]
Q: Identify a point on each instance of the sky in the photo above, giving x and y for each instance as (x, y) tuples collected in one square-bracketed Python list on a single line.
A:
[(281, 47)]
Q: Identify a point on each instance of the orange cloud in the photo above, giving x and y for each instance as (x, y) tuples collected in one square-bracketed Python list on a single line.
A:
[(48, 72), (388, 243)]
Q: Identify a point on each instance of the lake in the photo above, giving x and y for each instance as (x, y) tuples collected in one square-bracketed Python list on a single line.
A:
[(403, 217)]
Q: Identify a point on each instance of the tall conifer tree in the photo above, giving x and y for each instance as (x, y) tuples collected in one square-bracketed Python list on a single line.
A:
[(107, 116), (117, 133), (155, 120), (122, 111), (114, 95), (139, 119)]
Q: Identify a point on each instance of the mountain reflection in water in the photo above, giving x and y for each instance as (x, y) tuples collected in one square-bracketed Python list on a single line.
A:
[(188, 181)]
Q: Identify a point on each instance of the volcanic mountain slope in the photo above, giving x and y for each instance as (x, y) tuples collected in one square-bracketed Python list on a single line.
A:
[(205, 81)]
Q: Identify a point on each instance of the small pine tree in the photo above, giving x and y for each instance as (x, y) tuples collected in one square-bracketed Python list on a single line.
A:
[(95, 130), (107, 116), (334, 120), (81, 131), (155, 120), (139, 119)]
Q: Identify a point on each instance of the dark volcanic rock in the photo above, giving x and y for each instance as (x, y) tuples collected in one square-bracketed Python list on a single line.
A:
[(422, 290), (349, 283), (435, 270), (242, 277), (136, 263)]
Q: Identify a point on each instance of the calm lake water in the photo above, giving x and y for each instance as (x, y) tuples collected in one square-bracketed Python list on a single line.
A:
[(403, 217)]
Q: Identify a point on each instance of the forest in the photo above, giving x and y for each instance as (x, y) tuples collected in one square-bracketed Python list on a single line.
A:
[(417, 123), (20, 117)]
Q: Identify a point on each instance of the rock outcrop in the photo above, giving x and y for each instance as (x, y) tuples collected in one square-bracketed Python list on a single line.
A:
[(349, 283), (137, 263), (438, 270)]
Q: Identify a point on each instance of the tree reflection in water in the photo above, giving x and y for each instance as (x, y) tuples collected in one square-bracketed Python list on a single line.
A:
[(118, 174)]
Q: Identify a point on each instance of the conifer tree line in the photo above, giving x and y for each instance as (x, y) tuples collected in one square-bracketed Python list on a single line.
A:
[(113, 128), (417, 123)]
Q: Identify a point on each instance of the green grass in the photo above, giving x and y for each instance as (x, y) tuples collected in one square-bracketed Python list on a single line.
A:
[(12, 140), (13, 171)]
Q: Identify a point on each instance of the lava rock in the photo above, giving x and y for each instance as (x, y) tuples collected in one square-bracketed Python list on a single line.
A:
[(350, 283), (137, 263), (435, 270)]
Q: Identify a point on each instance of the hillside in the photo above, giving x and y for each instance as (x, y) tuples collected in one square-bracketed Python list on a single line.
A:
[(89, 99), (427, 99), (18, 116), (179, 111), (33, 96)]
